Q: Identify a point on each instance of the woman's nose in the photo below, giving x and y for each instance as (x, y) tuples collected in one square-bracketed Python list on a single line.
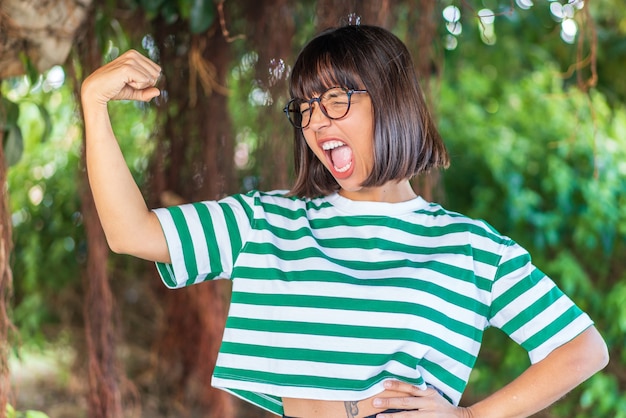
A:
[(318, 118)]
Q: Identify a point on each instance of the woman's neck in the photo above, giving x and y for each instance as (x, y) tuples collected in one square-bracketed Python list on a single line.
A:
[(391, 192)]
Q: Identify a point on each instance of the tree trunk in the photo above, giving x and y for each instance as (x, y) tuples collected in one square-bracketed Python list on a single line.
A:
[(193, 162), (41, 30), (427, 185), (332, 13), (6, 283), (275, 54), (104, 372), (104, 397)]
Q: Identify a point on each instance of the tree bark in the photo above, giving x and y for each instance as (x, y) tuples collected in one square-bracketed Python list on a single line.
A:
[(6, 284), (43, 31), (275, 52), (104, 397), (427, 185), (193, 161), (332, 13)]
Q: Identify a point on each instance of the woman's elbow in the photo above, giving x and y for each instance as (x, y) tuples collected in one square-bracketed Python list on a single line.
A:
[(149, 246), (119, 243), (602, 354), (595, 351), (116, 245)]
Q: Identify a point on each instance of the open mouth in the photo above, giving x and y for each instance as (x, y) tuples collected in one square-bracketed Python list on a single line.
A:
[(339, 155)]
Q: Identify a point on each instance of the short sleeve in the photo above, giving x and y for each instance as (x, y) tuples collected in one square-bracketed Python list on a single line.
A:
[(204, 239), (529, 307)]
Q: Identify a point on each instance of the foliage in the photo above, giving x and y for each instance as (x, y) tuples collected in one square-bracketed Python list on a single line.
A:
[(544, 165), (12, 413), (199, 14), (12, 139), (45, 206), (245, 112), (48, 234)]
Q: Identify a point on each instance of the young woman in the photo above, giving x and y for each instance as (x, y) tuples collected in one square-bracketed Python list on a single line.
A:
[(352, 296)]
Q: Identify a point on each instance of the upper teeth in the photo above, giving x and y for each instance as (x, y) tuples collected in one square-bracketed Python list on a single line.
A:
[(332, 145)]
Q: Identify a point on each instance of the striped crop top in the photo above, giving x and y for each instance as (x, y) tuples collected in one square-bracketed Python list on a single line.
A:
[(331, 297)]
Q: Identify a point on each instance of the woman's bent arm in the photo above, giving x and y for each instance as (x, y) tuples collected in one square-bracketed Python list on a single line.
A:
[(130, 227), (541, 385), (547, 381)]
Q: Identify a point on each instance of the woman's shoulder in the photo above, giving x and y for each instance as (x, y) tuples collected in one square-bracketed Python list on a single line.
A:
[(437, 215)]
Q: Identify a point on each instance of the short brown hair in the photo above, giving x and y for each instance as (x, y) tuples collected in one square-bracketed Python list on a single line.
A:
[(406, 140)]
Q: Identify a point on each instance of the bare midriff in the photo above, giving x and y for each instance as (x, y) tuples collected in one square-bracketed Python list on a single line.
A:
[(311, 408)]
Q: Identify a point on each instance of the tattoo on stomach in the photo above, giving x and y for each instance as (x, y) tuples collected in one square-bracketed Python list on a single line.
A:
[(352, 409)]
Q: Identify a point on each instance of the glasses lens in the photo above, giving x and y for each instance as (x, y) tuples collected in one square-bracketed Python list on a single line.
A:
[(335, 103), (297, 117)]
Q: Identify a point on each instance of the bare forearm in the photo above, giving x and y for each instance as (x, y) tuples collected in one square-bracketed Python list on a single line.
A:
[(545, 382)]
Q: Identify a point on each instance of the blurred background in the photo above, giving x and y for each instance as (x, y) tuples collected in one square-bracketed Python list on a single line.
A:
[(529, 97)]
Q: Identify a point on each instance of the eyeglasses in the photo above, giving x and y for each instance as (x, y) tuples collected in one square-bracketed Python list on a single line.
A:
[(334, 104)]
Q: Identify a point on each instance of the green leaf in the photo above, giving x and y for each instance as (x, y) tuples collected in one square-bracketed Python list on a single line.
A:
[(184, 8), (12, 413), (35, 414), (31, 72), (13, 145), (47, 120), (202, 15), (169, 12), (151, 6), (9, 112)]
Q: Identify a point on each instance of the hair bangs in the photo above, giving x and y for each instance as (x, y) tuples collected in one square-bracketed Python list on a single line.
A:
[(322, 65)]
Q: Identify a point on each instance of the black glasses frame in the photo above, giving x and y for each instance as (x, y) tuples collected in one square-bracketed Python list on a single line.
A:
[(318, 99)]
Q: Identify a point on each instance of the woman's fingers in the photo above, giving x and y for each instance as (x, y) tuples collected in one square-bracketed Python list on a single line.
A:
[(402, 402), (131, 76), (399, 386), (142, 72), (417, 402), (138, 74)]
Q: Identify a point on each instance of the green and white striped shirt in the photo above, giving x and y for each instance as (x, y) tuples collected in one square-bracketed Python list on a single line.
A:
[(331, 297)]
